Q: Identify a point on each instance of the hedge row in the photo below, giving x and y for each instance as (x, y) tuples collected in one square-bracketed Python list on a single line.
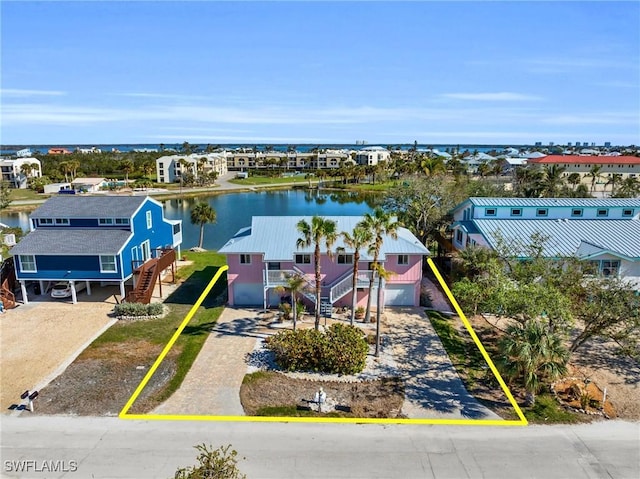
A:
[(138, 309), (342, 349)]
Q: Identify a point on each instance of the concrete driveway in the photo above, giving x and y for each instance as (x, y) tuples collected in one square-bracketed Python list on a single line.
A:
[(40, 339)]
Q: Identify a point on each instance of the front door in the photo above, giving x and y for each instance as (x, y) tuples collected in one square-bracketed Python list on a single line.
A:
[(145, 249)]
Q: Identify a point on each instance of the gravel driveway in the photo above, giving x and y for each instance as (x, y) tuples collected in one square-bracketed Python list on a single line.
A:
[(40, 339)]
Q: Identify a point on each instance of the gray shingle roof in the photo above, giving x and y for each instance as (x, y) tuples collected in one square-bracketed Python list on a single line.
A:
[(620, 236), (70, 241), (550, 202), (276, 237), (89, 207)]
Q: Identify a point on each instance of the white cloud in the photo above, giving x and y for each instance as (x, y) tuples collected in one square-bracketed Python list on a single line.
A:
[(18, 93), (499, 96)]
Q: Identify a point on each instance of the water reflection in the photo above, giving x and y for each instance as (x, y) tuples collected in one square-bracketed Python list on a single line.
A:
[(235, 210)]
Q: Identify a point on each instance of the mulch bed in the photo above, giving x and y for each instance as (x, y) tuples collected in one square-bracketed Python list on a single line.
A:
[(380, 398)]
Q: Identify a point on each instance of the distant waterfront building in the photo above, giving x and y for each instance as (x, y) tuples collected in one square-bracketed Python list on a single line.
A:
[(17, 174), (59, 151), (625, 166), (169, 168), (292, 160), (607, 144), (372, 155), (88, 151), (24, 153)]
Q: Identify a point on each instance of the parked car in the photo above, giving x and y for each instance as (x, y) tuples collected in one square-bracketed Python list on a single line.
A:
[(63, 289)]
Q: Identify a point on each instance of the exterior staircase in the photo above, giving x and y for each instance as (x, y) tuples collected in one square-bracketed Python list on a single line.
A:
[(8, 276), (147, 276)]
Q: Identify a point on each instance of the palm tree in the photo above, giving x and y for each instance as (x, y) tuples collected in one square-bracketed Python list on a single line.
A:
[(594, 173), (484, 169), (533, 354), (295, 284), (383, 275), (74, 165), (127, 167), (27, 168), (432, 166), (614, 180), (379, 224), (359, 238), (201, 214), (552, 180), (66, 169), (314, 233), (574, 180), (629, 188)]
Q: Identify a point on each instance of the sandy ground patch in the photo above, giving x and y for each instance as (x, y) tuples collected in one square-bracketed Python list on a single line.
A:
[(39, 339)]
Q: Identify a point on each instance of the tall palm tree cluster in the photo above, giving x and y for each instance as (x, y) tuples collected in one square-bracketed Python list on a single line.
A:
[(369, 233)]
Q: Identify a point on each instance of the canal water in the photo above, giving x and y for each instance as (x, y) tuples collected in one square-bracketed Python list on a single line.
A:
[(234, 211)]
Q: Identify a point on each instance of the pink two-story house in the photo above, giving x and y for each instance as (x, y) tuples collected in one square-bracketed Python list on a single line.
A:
[(263, 255)]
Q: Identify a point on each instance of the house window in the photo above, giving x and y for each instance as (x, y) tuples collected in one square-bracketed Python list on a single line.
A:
[(542, 212), (516, 211), (576, 212), (28, 263), (273, 266), (403, 259), (245, 259), (122, 221), (105, 221), (107, 264), (610, 267), (149, 220), (303, 259), (45, 221), (490, 212), (345, 259), (62, 221), (627, 213), (176, 228), (459, 236), (602, 212)]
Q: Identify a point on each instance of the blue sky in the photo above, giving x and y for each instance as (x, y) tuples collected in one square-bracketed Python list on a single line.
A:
[(325, 72)]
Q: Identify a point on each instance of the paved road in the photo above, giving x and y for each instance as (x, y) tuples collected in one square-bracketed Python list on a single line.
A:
[(113, 448)]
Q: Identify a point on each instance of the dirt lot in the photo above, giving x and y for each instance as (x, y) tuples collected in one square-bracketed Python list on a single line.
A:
[(39, 339), (596, 361)]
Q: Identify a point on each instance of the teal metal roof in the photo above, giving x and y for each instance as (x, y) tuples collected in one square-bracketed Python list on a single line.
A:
[(276, 237), (566, 236)]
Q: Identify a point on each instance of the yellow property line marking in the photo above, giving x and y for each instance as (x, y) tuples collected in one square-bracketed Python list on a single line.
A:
[(177, 417), (171, 342)]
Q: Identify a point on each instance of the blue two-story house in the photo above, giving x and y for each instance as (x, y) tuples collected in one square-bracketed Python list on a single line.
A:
[(93, 239)]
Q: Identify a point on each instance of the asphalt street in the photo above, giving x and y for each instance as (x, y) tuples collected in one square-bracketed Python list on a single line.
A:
[(81, 447)]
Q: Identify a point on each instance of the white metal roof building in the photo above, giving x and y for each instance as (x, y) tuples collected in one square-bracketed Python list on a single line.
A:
[(275, 237), (603, 231)]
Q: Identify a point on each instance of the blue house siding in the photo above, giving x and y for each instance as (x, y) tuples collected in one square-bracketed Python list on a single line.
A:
[(160, 235), (69, 268)]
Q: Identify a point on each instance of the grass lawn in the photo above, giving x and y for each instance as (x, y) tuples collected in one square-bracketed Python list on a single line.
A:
[(18, 194), (159, 331), (264, 180)]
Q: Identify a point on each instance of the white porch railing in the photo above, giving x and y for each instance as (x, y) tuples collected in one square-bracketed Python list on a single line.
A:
[(344, 284)]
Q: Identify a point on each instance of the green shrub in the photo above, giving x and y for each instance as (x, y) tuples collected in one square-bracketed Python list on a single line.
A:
[(221, 463), (342, 350), (138, 309)]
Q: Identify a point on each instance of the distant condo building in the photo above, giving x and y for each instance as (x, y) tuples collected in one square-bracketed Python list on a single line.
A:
[(169, 169), (372, 155), (241, 161), (17, 171)]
